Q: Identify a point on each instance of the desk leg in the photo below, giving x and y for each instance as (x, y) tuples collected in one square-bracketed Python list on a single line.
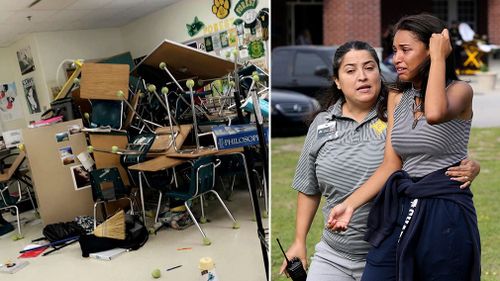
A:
[(142, 198)]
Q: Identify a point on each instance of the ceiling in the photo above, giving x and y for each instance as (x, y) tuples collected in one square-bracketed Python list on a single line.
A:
[(17, 18)]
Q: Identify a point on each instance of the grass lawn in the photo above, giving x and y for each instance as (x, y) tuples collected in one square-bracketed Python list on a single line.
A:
[(484, 147)]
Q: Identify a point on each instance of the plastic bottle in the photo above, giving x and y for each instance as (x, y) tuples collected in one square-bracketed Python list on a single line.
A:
[(207, 268)]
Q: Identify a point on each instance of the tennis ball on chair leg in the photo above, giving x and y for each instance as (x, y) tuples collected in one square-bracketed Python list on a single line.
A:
[(156, 273)]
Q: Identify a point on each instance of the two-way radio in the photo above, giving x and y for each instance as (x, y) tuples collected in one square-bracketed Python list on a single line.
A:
[(294, 267)]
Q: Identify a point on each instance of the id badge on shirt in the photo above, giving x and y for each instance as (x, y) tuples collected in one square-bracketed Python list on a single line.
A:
[(327, 129)]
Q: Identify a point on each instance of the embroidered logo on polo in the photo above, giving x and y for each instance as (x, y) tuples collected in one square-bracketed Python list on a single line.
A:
[(379, 126)]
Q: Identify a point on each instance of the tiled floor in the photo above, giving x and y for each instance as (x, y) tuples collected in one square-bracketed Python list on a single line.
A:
[(237, 253)]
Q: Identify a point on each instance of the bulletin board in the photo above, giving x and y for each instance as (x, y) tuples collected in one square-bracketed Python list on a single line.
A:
[(52, 152)]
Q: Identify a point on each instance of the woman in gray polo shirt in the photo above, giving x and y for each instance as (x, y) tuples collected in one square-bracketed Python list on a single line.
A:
[(343, 148)]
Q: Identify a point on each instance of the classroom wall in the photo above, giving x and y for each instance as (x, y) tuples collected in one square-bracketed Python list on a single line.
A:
[(11, 63), (6, 75), (144, 34), (140, 37), (49, 49), (76, 44)]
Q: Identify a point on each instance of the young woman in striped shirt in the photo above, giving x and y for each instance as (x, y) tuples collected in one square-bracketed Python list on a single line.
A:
[(422, 225)]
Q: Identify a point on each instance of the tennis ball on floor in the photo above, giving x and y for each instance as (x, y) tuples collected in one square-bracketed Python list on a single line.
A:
[(114, 149), (16, 237), (90, 149), (206, 241), (236, 225), (156, 273)]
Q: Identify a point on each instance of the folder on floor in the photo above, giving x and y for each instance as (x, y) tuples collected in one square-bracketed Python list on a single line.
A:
[(109, 254)]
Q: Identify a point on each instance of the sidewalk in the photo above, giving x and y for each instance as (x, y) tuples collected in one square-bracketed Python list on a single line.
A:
[(486, 104)]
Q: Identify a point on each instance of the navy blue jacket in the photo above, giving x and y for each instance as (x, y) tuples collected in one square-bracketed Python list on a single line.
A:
[(384, 213)]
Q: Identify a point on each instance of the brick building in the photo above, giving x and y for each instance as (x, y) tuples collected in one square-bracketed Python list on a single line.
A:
[(332, 22)]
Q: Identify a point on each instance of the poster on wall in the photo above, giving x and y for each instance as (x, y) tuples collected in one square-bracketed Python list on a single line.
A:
[(81, 178), (10, 107), (12, 138), (221, 8), (25, 59), (224, 39), (195, 27), (216, 42), (31, 95), (66, 155), (208, 44)]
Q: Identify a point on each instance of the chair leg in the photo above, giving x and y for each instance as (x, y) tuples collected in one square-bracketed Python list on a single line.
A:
[(235, 223), (264, 187), (248, 182), (203, 219), (206, 241), (142, 198), (131, 205), (18, 221), (31, 200), (158, 207), (95, 214)]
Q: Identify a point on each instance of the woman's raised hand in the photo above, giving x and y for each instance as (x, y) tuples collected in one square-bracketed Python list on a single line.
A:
[(440, 45)]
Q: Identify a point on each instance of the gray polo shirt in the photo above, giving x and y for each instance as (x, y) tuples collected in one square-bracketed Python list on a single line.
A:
[(339, 155)]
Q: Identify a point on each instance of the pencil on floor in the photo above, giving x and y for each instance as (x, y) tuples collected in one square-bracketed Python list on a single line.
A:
[(172, 268)]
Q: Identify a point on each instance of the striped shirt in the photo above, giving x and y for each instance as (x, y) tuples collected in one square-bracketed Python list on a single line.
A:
[(427, 148), (339, 155)]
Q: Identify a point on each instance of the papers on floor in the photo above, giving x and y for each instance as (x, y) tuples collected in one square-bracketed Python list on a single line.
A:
[(109, 254), (13, 267)]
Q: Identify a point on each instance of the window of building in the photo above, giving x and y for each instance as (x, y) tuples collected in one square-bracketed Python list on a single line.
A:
[(456, 10)]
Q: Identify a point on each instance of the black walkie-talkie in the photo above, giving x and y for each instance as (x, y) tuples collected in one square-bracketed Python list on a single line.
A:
[(294, 267)]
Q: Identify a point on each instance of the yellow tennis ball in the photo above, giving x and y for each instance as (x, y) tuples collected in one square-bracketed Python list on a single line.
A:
[(114, 149), (120, 93), (90, 149), (156, 273), (164, 90), (21, 147), (86, 115), (163, 65), (151, 88), (255, 77), (190, 83)]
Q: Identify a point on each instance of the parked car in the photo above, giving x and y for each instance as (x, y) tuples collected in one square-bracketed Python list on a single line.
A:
[(291, 112), (306, 69)]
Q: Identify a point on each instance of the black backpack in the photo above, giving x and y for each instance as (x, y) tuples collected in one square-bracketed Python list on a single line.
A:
[(59, 231), (136, 236)]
